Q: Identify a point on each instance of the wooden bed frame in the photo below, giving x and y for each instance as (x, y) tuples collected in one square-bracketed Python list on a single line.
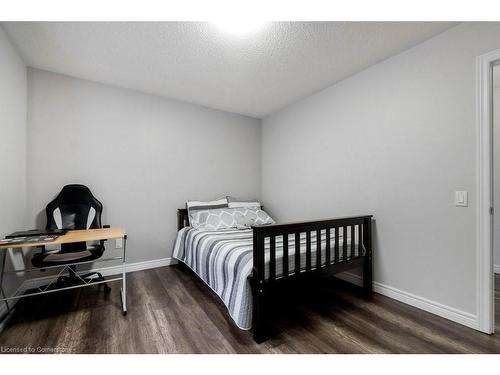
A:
[(261, 286)]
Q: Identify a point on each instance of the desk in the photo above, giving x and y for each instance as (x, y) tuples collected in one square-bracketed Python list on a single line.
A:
[(71, 236)]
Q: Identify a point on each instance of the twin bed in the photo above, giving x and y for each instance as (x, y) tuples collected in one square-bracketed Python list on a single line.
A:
[(243, 265)]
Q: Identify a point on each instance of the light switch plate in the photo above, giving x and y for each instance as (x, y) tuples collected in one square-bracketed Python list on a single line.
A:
[(461, 199), (119, 243)]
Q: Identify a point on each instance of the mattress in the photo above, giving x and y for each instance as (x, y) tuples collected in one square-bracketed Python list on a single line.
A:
[(224, 260)]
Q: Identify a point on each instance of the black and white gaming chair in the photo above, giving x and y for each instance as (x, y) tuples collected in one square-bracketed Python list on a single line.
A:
[(74, 208)]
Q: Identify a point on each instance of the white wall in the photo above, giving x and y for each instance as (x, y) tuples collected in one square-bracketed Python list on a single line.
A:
[(13, 143), (395, 141), (141, 155), (496, 173)]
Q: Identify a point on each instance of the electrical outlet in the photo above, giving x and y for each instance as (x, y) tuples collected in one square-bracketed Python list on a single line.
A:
[(119, 243)]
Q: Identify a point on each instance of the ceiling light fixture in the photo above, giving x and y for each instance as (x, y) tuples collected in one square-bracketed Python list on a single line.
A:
[(239, 26)]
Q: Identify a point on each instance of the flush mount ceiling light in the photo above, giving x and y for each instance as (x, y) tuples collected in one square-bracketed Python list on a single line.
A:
[(239, 26)]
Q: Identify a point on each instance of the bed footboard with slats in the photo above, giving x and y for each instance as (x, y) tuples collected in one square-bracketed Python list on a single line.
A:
[(333, 253)]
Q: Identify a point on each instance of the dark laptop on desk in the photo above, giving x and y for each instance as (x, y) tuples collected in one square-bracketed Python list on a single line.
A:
[(37, 232)]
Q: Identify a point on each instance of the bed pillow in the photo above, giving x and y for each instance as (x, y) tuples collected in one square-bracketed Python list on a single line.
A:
[(193, 206), (246, 217), (213, 219), (247, 203), (228, 218)]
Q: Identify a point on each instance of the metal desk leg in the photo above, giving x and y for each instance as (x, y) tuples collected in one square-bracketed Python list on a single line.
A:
[(123, 291), (4, 256)]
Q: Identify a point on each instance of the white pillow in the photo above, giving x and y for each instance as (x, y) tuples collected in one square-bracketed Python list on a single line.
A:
[(202, 205), (247, 203)]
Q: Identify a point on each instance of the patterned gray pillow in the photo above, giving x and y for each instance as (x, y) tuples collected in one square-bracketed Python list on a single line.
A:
[(252, 216), (215, 219), (228, 218)]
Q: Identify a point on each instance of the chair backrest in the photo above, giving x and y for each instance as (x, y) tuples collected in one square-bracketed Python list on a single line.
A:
[(74, 208)]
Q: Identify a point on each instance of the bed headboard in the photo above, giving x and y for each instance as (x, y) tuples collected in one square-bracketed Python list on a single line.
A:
[(182, 218)]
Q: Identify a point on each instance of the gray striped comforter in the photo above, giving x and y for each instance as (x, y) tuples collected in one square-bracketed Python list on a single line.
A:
[(223, 260)]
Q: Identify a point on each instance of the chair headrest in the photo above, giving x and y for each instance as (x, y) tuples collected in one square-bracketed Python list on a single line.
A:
[(75, 194)]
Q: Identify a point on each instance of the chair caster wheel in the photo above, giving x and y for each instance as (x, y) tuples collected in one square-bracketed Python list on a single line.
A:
[(124, 313)]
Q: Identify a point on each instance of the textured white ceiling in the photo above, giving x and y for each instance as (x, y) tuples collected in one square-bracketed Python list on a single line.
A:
[(254, 74)]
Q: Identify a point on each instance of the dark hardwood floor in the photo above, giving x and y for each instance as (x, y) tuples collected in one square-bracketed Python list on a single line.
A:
[(170, 311)]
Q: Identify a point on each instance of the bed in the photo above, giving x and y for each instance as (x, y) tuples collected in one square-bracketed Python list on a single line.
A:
[(242, 265)]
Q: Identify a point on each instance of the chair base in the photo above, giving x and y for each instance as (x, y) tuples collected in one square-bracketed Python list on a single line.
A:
[(88, 277)]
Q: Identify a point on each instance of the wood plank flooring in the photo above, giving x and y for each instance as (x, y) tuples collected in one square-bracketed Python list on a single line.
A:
[(171, 311)]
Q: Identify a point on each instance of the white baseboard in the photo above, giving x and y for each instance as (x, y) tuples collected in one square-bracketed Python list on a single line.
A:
[(447, 312), (108, 271), (137, 266), (105, 271), (496, 268)]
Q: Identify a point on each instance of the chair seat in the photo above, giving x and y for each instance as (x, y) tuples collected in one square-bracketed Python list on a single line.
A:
[(60, 258)]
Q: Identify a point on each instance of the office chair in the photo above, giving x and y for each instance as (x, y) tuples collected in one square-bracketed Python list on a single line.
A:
[(74, 208)]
